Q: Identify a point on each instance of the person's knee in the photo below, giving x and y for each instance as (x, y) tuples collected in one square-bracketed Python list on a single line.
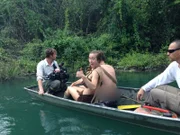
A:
[(55, 85), (71, 90), (153, 91), (156, 93), (68, 90)]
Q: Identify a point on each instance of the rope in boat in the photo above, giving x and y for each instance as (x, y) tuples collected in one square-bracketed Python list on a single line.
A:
[(139, 102)]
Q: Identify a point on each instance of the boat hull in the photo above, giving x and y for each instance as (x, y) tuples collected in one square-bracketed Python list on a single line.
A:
[(151, 121)]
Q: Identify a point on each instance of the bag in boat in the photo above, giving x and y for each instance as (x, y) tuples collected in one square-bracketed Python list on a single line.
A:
[(145, 109), (107, 103)]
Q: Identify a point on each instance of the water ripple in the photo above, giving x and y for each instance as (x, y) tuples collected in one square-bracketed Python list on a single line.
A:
[(6, 124)]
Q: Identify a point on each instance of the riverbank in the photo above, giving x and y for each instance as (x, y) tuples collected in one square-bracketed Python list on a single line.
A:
[(135, 69), (131, 62), (135, 62)]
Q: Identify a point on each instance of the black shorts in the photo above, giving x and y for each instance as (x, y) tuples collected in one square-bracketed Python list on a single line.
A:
[(85, 98)]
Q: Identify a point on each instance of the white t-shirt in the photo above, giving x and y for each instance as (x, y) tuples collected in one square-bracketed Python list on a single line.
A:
[(170, 74)]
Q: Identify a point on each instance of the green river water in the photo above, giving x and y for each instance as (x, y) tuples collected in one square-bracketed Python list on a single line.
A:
[(22, 115)]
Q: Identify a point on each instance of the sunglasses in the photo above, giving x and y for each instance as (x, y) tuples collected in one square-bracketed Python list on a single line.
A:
[(173, 50)]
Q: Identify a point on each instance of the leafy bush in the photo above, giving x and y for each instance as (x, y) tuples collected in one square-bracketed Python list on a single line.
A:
[(33, 51), (144, 61)]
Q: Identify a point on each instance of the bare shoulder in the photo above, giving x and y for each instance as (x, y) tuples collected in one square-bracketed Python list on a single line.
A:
[(98, 69), (106, 66)]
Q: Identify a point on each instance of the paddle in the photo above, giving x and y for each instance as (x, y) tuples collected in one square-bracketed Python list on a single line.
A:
[(132, 106), (128, 107)]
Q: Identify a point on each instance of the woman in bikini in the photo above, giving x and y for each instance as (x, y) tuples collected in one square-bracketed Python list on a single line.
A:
[(84, 88)]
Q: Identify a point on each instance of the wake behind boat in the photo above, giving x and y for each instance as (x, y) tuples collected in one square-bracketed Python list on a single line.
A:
[(163, 123)]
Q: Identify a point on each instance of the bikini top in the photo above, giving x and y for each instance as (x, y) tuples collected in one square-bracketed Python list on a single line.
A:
[(89, 75)]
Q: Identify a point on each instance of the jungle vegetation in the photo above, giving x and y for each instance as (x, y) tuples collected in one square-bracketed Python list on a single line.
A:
[(132, 33)]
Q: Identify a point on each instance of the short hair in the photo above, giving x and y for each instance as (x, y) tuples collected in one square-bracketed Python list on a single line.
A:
[(177, 41), (49, 52), (100, 55)]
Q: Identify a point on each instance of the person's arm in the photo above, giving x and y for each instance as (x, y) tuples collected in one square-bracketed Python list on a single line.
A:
[(164, 78), (140, 94), (57, 67), (39, 74), (92, 85), (40, 86), (158, 80), (78, 82)]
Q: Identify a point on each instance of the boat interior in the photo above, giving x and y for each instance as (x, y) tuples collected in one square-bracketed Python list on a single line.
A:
[(127, 101)]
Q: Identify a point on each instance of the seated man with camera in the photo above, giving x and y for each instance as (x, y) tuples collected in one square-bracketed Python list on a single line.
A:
[(46, 72)]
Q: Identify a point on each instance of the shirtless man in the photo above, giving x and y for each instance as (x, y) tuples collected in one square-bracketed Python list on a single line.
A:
[(107, 91)]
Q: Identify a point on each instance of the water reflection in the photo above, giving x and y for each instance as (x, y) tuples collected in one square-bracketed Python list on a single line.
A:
[(60, 124), (69, 122)]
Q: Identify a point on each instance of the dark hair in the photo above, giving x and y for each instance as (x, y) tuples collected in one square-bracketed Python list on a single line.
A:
[(49, 52), (100, 55)]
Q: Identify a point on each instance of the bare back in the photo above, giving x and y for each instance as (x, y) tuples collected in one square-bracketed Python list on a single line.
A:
[(108, 87)]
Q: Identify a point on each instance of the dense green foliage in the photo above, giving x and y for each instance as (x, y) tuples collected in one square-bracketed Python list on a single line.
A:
[(137, 61), (121, 28)]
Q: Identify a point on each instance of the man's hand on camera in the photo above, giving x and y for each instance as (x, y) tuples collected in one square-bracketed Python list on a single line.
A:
[(57, 70)]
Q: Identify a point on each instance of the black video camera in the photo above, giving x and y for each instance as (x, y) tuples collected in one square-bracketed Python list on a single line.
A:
[(62, 76)]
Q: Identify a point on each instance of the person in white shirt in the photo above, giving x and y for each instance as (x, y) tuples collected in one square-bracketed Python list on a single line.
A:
[(44, 69), (159, 93)]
